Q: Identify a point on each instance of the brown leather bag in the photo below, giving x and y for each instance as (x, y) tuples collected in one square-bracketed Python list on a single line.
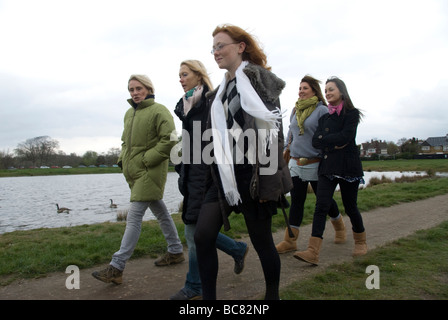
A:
[(287, 155), (287, 152)]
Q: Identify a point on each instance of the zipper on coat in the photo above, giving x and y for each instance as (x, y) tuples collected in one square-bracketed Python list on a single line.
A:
[(129, 142)]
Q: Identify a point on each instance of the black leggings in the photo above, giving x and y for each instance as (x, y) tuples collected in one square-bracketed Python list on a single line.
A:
[(209, 224), (298, 197), (349, 194)]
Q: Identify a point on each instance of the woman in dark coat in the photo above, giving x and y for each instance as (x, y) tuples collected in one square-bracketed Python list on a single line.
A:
[(246, 105), (340, 164), (193, 111)]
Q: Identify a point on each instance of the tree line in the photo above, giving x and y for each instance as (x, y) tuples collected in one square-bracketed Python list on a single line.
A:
[(44, 151)]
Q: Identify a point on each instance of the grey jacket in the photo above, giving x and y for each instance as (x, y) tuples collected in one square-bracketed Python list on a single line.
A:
[(301, 145)]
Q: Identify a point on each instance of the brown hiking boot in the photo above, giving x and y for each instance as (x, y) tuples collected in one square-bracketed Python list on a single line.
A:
[(110, 274), (169, 258)]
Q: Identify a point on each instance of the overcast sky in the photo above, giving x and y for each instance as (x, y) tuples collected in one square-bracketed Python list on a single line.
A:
[(64, 65)]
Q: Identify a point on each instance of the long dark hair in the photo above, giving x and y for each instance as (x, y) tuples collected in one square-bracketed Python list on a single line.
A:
[(315, 86), (348, 104)]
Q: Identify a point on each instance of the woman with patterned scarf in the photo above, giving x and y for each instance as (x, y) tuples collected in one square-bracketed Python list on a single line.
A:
[(305, 160), (246, 101)]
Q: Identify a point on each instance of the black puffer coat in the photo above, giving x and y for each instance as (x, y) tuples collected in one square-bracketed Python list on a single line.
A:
[(192, 176)]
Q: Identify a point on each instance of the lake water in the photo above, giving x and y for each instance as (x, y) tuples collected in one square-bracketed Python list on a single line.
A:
[(30, 202)]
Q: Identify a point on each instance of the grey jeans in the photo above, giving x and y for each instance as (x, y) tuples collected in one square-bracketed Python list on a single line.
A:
[(134, 226)]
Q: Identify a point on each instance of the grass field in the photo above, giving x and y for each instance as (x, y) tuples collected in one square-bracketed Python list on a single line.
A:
[(413, 268), (34, 253), (433, 165)]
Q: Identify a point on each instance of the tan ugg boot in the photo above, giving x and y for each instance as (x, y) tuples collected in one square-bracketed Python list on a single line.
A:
[(360, 244), (339, 228), (288, 244), (310, 255)]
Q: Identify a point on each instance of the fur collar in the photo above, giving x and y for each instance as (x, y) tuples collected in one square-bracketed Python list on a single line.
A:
[(266, 84)]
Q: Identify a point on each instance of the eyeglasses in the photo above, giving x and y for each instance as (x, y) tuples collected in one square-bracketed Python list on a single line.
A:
[(220, 46)]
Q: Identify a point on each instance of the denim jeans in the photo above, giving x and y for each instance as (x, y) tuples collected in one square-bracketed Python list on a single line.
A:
[(224, 243), (133, 229)]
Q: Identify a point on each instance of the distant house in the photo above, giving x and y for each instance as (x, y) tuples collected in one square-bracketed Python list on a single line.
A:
[(435, 145), (373, 147)]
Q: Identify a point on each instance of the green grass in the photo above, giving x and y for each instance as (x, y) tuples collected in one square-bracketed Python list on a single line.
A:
[(33, 253), (59, 171), (420, 165), (412, 268), (56, 171)]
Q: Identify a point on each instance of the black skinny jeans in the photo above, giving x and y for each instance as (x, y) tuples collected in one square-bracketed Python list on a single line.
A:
[(349, 194), (209, 224), (298, 196)]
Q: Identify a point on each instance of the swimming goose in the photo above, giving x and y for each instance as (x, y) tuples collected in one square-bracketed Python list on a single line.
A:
[(112, 204), (60, 210)]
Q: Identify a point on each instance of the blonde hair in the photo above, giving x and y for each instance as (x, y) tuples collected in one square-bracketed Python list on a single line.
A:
[(198, 67), (253, 52), (144, 80)]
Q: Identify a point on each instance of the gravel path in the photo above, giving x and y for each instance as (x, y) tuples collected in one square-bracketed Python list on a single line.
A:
[(144, 281)]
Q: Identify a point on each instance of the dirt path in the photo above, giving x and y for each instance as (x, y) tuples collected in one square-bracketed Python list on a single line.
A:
[(143, 280)]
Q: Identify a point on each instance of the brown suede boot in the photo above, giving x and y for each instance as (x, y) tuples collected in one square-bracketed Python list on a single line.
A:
[(109, 274), (310, 255), (360, 244), (288, 244), (339, 228)]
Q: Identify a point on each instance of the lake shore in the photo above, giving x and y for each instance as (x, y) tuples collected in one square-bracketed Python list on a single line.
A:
[(40, 251), (144, 281), (418, 165)]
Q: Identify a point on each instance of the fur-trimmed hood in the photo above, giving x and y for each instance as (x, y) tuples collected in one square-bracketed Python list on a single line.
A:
[(266, 84)]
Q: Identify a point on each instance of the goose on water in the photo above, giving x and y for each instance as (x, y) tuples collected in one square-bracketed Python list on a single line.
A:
[(112, 204), (60, 210)]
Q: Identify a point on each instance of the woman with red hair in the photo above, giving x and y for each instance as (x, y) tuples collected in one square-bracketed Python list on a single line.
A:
[(246, 101)]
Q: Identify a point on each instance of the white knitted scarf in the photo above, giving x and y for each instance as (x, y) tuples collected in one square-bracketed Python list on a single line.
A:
[(267, 124)]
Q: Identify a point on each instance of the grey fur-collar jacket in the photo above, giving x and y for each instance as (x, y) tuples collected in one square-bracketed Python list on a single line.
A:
[(269, 87)]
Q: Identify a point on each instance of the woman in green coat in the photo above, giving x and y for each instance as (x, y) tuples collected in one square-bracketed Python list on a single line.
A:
[(144, 159)]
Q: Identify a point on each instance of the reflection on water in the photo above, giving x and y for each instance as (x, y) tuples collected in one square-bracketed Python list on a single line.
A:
[(30, 202)]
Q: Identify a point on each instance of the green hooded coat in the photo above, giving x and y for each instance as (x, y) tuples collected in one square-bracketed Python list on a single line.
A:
[(146, 149)]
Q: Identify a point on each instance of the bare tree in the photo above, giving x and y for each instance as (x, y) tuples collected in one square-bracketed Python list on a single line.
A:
[(112, 156), (6, 159), (37, 150)]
